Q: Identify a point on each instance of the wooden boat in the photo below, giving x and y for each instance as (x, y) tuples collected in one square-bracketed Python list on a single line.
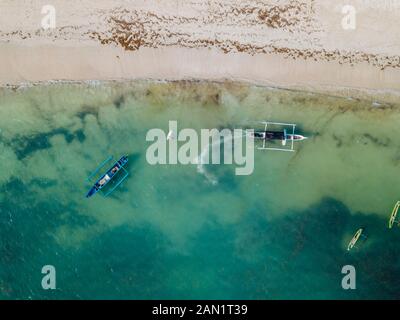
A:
[(108, 176), (276, 132), (355, 238), (393, 216)]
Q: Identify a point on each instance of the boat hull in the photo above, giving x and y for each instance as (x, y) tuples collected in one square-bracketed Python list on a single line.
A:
[(276, 135), (107, 177), (93, 190)]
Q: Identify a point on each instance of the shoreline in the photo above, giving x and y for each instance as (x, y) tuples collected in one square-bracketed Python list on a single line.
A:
[(194, 65), (366, 97)]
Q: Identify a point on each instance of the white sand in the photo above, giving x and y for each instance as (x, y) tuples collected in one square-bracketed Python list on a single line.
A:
[(263, 42)]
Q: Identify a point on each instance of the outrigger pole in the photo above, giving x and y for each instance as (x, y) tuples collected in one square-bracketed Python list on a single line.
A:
[(393, 216), (279, 124), (98, 168), (119, 182)]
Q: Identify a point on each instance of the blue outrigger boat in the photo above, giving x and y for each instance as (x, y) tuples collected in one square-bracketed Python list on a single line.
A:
[(108, 176)]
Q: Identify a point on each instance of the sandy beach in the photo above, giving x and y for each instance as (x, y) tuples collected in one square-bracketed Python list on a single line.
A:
[(295, 44)]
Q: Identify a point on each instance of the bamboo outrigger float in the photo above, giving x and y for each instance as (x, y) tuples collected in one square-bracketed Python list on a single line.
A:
[(393, 216)]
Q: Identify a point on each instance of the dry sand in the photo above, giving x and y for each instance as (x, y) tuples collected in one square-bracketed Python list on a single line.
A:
[(297, 44)]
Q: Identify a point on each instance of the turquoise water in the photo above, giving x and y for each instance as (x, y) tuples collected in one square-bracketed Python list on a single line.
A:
[(173, 231)]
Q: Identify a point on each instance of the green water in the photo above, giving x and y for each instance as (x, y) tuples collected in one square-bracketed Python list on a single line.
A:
[(168, 231)]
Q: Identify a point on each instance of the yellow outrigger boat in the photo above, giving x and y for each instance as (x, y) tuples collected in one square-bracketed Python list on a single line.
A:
[(354, 240), (393, 216)]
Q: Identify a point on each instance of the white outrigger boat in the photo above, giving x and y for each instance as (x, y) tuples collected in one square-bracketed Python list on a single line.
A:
[(393, 216), (355, 238), (281, 135)]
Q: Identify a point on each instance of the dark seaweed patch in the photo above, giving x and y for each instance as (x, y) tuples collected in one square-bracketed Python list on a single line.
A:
[(299, 100), (376, 141), (339, 141), (216, 98), (80, 135), (87, 110), (396, 158), (25, 146), (119, 101)]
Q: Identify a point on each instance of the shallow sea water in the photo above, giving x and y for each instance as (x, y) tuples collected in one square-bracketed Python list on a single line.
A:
[(173, 231)]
